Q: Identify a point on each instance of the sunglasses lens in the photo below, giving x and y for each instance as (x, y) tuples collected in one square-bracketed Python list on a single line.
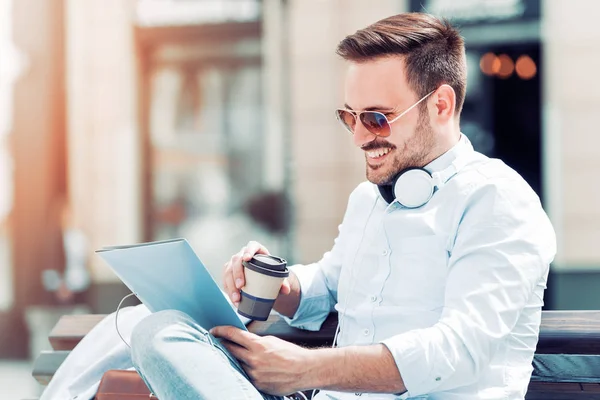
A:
[(376, 123), (347, 119)]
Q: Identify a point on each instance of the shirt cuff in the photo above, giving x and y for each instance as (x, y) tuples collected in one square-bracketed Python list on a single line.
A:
[(315, 303), (422, 368)]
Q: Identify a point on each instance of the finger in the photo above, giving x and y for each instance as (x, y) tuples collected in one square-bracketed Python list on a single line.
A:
[(226, 272), (237, 351), (228, 284), (230, 289), (253, 248), (235, 335), (285, 287), (237, 270)]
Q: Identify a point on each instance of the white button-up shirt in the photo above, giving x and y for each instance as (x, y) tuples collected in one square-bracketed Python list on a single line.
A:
[(454, 288)]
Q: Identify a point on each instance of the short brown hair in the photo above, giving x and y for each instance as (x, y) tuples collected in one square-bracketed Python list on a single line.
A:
[(433, 50)]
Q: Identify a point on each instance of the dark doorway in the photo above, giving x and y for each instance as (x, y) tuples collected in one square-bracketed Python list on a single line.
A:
[(502, 112), (517, 118)]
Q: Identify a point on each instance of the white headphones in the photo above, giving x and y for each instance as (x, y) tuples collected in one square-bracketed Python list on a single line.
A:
[(414, 187)]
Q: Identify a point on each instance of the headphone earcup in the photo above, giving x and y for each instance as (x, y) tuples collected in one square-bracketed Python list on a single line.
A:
[(413, 187)]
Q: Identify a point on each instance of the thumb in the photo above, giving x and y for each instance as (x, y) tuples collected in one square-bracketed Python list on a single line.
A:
[(285, 287)]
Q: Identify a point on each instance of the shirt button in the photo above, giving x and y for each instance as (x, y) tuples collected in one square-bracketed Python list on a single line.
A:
[(373, 299), (438, 379), (366, 332), (385, 252)]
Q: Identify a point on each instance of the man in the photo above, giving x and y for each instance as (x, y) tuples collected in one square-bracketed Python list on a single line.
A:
[(438, 271)]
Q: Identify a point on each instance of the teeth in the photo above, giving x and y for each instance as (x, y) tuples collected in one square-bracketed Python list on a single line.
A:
[(377, 153)]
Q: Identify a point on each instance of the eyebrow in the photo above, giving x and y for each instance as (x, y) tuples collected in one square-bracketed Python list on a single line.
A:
[(372, 108)]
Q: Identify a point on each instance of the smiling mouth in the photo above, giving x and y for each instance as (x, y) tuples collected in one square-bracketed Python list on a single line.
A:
[(378, 153), (377, 156)]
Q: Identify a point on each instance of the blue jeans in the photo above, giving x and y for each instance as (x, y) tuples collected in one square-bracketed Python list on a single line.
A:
[(178, 359)]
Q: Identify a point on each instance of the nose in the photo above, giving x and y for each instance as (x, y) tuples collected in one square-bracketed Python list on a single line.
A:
[(361, 135)]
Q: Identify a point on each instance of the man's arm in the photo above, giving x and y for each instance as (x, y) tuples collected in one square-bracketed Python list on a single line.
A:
[(355, 369), (496, 269), (278, 367)]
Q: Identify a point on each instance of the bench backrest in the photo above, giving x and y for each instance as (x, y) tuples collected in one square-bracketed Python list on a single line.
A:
[(566, 364)]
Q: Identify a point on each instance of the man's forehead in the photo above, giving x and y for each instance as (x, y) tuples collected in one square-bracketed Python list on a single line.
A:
[(376, 85), (395, 63)]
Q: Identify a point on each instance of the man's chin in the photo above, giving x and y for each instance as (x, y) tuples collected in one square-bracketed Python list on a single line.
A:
[(378, 175)]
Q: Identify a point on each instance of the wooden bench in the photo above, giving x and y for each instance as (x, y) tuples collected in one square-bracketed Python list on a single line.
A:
[(566, 364)]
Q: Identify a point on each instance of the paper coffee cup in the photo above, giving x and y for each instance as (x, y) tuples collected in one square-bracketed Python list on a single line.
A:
[(264, 275)]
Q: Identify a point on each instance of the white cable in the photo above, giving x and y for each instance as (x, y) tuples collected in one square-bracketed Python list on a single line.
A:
[(340, 323), (207, 335), (117, 318), (338, 329)]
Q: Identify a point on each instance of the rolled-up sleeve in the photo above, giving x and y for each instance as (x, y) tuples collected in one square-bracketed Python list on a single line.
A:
[(502, 251), (317, 299)]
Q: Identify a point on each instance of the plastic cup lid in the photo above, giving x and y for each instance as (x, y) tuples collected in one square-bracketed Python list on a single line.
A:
[(269, 262)]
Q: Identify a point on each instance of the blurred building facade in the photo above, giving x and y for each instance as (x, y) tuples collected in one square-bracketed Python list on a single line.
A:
[(213, 120)]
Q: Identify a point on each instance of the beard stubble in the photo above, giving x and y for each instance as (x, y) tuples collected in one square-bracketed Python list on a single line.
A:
[(413, 154)]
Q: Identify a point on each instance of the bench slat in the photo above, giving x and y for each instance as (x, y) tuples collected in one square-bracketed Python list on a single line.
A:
[(561, 391), (570, 332), (70, 329), (276, 326), (566, 368), (561, 332), (48, 361), (46, 364)]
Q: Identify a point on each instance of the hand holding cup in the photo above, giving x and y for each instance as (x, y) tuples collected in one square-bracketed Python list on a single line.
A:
[(234, 278)]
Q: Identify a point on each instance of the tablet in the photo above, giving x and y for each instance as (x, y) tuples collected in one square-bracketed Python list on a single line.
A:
[(168, 275)]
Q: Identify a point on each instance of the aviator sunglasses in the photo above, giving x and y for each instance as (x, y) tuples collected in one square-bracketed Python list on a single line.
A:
[(373, 121)]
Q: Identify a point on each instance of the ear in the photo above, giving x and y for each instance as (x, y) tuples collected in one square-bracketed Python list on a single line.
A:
[(444, 100)]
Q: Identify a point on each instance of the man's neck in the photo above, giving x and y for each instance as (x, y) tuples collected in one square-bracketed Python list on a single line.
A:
[(446, 143)]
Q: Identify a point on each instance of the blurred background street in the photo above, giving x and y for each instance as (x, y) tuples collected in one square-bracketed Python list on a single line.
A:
[(123, 121)]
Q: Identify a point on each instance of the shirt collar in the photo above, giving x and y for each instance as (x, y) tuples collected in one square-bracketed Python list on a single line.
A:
[(462, 147)]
